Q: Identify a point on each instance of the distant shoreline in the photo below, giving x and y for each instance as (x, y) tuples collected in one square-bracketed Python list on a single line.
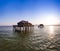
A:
[(6, 25), (53, 25), (34, 25)]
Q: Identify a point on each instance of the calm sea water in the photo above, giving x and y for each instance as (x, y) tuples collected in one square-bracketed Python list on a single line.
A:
[(38, 39)]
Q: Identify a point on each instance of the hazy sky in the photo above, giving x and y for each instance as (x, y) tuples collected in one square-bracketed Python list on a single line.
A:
[(34, 11)]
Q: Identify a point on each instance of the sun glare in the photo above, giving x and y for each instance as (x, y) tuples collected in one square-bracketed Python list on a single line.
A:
[(51, 32), (50, 20)]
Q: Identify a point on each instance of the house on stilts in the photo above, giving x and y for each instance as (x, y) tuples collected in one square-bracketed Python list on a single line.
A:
[(23, 26)]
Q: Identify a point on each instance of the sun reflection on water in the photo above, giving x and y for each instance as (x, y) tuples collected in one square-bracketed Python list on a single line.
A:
[(51, 32)]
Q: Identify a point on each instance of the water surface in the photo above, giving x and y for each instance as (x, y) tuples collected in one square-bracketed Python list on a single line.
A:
[(38, 39)]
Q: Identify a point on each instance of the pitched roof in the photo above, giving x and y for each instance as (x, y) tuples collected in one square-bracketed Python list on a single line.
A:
[(22, 22)]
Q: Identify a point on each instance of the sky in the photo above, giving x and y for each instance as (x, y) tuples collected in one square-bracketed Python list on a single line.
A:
[(34, 11)]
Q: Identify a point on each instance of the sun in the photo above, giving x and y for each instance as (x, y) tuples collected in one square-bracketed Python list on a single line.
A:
[(50, 20)]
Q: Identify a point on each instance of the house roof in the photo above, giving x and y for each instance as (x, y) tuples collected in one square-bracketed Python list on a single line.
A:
[(24, 23)]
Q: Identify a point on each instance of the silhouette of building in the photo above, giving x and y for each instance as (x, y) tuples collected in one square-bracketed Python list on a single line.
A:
[(25, 25)]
